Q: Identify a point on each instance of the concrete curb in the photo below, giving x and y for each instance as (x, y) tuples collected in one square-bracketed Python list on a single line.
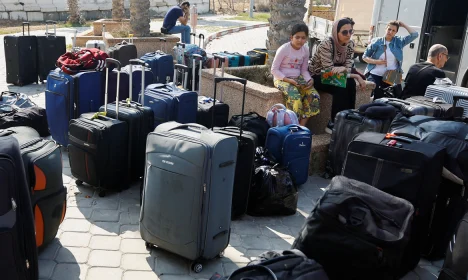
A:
[(220, 34)]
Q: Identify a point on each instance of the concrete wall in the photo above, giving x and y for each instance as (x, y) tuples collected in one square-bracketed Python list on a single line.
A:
[(359, 10), (40, 10)]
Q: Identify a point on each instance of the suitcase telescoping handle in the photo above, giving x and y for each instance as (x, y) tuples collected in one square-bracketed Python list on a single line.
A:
[(184, 69), (239, 80), (200, 38), (143, 65), (194, 70), (164, 45), (222, 59), (47, 28), (180, 45), (109, 62), (194, 36), (26, 23)]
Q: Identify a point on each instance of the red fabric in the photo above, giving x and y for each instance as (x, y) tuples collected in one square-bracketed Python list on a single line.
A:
[(84, 59)]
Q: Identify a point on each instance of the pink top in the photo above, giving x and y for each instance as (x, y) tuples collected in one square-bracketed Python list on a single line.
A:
[(291, 63)]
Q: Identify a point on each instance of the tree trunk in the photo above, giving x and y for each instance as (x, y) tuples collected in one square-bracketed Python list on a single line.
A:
[(284, 15), (74, 12), (118, 10), (139, 17)]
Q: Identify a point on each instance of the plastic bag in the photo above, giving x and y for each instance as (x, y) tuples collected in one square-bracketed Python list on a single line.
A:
[(279, 115), (272, 192)]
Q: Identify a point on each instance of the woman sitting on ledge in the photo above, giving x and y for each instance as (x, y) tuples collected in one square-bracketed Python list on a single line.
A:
[(291, 76), (336, 54)]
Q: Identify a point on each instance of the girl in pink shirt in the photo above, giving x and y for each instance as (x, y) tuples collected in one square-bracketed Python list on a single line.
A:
[(291, 76)]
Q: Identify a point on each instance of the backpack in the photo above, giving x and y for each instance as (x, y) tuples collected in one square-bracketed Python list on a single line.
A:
[(279, 115), (84, 59), (281, 265)]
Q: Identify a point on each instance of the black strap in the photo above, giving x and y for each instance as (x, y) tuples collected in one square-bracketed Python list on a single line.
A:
[(420, 70), (252, 268)]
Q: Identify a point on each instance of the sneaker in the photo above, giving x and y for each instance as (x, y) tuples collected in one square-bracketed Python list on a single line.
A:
[(329, 127)]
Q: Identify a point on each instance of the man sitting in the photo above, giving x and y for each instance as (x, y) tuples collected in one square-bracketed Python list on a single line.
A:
[(180, 13), (421, 75)]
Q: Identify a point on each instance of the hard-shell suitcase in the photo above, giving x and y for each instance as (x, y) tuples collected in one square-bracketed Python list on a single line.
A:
[(18, 254), (21, 58), (171, 103), (161, 64), (140, 120), (420, 105), (206, 111), (244, 60), (259, 51), (455, 267), (290, 145), (189, 170), (348, 124), (98, 148), (233, 60), (69, 96), (123, 52), (447, 92), (406, 168), (49, 48), (42, 161), (247, 144)]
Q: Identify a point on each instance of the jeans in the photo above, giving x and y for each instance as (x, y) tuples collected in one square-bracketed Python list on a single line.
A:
[(184, 30), (343, 98), (377, 80)]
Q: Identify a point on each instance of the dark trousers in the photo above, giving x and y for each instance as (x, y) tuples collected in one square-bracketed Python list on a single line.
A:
[(343, 98), (377, 80)]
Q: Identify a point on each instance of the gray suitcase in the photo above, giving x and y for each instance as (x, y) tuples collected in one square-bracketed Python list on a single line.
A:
[(189, 169), (447, 92)]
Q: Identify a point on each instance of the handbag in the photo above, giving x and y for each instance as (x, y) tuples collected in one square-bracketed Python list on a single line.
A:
[(391, 77)]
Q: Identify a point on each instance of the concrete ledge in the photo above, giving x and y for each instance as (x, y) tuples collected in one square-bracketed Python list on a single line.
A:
[(319, 153)]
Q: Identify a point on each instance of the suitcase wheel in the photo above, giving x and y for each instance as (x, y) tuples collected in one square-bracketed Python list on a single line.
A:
[(148, 245), (221, 254), (197, 267), (79, 182), (102, 193)]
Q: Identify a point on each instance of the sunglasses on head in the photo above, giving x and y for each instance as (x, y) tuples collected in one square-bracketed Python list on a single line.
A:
[(345, 32)]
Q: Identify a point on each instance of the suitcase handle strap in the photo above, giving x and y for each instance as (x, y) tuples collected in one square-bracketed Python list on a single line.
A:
[(191, 125), (194, 70), (98, 114), (238, 80), (253, 268), (109, 62), (130, 83)]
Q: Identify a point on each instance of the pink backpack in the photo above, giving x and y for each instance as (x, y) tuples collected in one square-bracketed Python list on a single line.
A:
[(279, 115)]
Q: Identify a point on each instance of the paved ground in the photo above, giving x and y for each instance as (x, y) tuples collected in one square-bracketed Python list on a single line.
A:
[(99, 238)]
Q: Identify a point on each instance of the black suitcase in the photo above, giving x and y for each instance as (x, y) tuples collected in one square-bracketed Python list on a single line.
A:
[(43, 163), (254, 123), (208, 109), (455, 265), (123, 52), (35, 117), (402, 167), (247, 144), (49, 48), (348, 124), (98, 148), (18, 253), (21, 58), (140, 120)]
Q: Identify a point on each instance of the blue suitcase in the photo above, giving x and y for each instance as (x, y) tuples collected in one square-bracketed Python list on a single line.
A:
[(161, 64), (233, 59), (124, 85), (244, 60), (69, 96), (136, 76), (291, 146), (171, 103)]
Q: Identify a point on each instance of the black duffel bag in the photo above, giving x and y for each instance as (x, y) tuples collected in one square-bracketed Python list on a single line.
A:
[(34, 117), (357, 231), (278, 265), (253, 122)]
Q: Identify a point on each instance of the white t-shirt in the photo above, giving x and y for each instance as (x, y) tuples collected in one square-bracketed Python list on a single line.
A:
[(392, 63)]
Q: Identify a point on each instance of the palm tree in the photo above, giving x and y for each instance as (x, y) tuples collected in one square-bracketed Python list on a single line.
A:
[(284, 15), (118, 10), (139, 18), (74, 12)]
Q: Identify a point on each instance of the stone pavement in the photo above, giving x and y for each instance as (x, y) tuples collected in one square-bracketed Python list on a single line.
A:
[(99, 238)]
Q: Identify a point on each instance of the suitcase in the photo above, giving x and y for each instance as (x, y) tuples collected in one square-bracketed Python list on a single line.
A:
[(256, 58), (137, 71), (18, 256), (161, 64), (42, 161), (290, 145), (140, 121), (98, 44), (124, 85), (49, 48), (457, 254), (171, 103), (69, 96), (209, 109), (254, 123), (34, 117), (21, 51), (262, 52), (409, 169), (359, 228), (18, 99), (244, 60), (420, 105), (123, 52), (247, 144), (184, 53), (447, 92), (348, 124), (187, 193), (233, 60), (98, 148)]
